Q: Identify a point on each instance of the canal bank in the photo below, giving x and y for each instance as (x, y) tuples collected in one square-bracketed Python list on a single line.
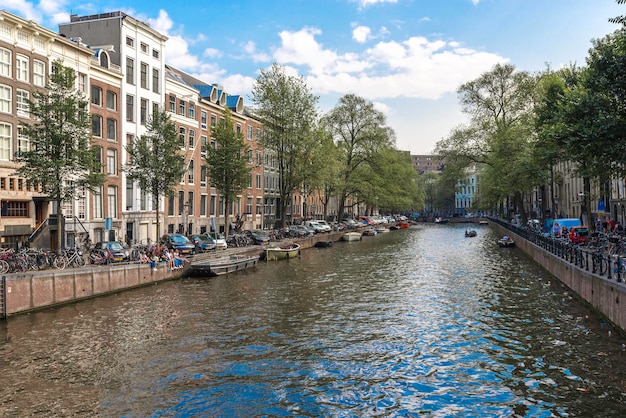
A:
[(31, 291), (603, 292)]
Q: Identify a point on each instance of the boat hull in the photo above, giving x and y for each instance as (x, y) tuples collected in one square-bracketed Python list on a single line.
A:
[(351, 236), (282, 252), (224, 265)]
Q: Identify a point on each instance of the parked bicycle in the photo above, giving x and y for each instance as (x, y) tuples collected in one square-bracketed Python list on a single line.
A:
[(101, 257)]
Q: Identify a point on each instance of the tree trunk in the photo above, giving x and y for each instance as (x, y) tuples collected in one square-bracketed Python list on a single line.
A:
[(226, 210), (60, 227), (587, 201), (158, 223)]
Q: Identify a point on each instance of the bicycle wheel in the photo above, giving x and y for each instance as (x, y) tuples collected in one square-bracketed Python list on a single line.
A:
[(79, 261), (59, 262), (4, 267)]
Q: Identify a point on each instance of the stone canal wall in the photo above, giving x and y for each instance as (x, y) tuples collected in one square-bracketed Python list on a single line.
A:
[(30, 291), (604, 295)]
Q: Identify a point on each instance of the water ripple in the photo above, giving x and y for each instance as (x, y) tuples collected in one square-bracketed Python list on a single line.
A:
[(419, 322)]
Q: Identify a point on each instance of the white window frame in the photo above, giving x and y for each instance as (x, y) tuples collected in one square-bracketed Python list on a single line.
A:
[(6, 103), (39, 73), (5, 63), (23, 142), (6, 136), (21, 103), (111, 162), (21, 68)]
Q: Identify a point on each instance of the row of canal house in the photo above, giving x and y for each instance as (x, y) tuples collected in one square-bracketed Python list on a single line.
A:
[(564, 197), (120, 66)]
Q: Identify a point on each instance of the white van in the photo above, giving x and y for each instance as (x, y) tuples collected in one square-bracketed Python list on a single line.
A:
[(318, 227)]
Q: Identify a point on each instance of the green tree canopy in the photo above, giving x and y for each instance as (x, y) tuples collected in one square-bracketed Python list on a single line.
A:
[(227, 162), (60, 157), (361, 133), (288, 111), (155, 161)]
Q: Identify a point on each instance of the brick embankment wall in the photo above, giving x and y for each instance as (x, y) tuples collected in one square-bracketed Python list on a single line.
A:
[(30, 291), (608, 297)]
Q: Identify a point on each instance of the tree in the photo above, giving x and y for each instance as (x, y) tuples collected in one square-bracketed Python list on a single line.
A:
[(227, 162), (360, 132), (287, 109), (619, 19), (155, 161), (60, 158), (500, 133)]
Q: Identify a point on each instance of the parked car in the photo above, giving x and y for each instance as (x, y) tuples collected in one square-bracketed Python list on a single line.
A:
[(117, 249), (325, 226), (206, 242), (178, 242), (300, 231), (350, 223), (318, 227), (578, 234), (258, 237), (219, 239)]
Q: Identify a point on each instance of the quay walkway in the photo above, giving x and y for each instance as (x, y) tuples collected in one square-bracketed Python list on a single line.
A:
[(34, 290)]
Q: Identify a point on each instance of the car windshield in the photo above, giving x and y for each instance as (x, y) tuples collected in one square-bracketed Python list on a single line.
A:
[(203, 238), (114, 246), (217, 235)]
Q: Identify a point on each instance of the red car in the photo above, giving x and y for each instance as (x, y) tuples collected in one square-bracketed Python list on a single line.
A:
[(578, 234)]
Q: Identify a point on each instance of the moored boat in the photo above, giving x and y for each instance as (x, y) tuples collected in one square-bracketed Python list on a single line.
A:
[(282, 252), (223, 265), (506, 241), (351, 236), (369, 232), (404, 225), (323, 244), (382, 229), (441, 221)]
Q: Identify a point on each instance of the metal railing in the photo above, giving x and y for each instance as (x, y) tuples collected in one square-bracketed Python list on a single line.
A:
[(3, 297), (595, 261)]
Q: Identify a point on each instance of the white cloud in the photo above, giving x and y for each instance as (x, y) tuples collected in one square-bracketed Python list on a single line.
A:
[(361, 34), (162, 24), (414, 68), (251, 51), (301, 48), (24, 9), (212, 53), (365, 3)]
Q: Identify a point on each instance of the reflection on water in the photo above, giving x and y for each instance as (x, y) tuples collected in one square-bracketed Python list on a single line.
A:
[(419, 322)]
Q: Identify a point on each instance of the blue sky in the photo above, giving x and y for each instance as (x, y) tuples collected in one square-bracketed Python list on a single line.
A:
[(406, 56)]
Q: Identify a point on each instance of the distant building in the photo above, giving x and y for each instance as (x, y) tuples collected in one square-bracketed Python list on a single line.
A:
[(428, 163)]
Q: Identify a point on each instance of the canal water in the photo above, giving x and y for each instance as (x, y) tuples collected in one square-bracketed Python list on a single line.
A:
[(420, 322)]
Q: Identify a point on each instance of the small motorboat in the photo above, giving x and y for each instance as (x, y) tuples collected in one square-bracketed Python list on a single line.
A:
[(323, 244), (223, 265), (369, 232), (283, 252), (441, 221), (470, 233), (351, 236), (506, 241)]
